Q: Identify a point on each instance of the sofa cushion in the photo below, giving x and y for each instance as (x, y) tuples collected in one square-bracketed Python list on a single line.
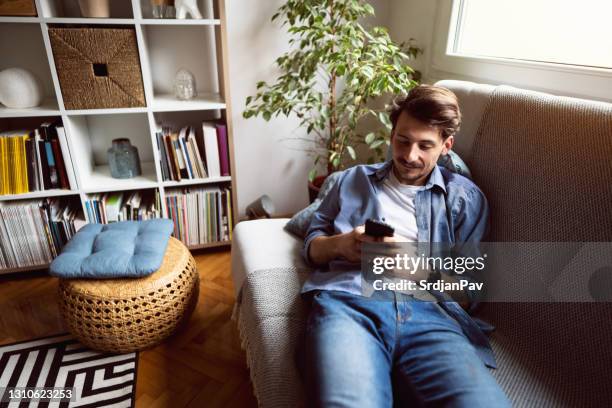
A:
[(300, 222), (129, 249)]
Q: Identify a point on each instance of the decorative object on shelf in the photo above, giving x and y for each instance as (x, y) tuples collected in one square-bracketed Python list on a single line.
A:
[(359, 64), (184, 85), (95, 8), (19, 89), (262, 207), (25, 8), (123, 159), (184, 7), (162, 8), (98, 68)]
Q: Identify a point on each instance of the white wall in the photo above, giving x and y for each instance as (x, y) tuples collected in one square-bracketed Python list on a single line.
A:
[(266, 162)]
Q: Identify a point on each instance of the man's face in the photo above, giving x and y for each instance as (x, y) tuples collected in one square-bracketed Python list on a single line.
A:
[(416, 148)]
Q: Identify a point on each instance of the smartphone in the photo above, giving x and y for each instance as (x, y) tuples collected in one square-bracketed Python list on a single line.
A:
[(378, 229)]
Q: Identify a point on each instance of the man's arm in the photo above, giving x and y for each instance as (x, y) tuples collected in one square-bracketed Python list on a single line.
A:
[(348, 245)]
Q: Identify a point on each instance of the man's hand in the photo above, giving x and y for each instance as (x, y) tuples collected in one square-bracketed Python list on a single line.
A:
[(348, 245)]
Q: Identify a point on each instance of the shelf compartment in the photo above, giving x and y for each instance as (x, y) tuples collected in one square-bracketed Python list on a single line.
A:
[(91, 136), (100, 208), (196, 53), (205, 7), (22, 46), (119, 9)]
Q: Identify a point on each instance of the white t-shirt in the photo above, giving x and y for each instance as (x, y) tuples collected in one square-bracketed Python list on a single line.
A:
[(397, 206)]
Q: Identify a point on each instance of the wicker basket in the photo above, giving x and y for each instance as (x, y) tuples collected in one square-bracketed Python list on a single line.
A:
[(123, 315), (98, 67)]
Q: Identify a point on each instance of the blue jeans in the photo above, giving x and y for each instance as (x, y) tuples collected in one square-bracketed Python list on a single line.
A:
[(390, 350)]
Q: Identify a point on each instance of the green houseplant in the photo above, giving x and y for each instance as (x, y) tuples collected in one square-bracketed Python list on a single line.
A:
[(335, 68)]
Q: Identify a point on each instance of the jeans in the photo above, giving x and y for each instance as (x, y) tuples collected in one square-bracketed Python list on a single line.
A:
[(390, 350)]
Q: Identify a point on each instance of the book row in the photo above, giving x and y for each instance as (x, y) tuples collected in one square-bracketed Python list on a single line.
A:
[(187, 154), (201, 215), (34, 160), (123, 206), (33, 232)]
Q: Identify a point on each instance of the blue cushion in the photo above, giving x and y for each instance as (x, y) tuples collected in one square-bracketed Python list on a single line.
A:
[(300, 222), (128, 249), (454, 163)]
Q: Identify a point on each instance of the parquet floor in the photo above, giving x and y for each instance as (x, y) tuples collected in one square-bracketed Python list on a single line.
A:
[(201, 366)]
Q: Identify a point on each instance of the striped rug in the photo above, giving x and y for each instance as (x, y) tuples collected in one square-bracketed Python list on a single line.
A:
[(98, 379)]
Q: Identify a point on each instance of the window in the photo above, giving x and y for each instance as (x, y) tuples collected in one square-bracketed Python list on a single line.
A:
[(557, 46), (556, 31)]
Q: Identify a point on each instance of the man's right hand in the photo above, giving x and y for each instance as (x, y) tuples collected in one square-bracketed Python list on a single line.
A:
[(348, 245)]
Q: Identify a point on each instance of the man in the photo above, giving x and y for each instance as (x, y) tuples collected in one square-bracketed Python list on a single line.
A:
[(392, 348)]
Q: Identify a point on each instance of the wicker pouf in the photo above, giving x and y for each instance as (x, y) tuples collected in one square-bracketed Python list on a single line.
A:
[(123, 315)]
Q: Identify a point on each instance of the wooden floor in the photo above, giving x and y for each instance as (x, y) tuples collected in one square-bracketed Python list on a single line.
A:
[(203, 365)]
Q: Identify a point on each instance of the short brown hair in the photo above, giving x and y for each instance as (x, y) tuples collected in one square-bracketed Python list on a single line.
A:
[(432, 105)]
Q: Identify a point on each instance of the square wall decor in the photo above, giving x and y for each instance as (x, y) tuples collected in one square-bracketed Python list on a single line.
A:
[(98, 68)]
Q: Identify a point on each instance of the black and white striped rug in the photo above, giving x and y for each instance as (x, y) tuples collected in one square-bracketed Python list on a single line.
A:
[(60, 362)]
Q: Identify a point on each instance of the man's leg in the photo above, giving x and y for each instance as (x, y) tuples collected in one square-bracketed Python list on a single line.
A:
[(435, 359), (347, 361)]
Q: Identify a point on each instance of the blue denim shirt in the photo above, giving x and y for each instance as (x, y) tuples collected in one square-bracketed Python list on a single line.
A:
[(450, 208)]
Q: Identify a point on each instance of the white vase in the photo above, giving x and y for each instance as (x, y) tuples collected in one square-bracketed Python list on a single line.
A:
[(19, 89), (94, 8)]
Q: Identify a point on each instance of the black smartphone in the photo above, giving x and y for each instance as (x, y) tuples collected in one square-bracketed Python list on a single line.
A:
[(378, 229)]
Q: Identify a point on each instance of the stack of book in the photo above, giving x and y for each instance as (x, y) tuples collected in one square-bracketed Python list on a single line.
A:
[(35, 160), (201, 215), (123, 206), (33, 232), (187, 154)]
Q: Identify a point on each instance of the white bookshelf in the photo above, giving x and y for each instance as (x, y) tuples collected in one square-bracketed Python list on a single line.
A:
[(164, 46)]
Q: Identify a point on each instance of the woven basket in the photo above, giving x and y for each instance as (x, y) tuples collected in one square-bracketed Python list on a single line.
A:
[(123, 315), (98, 67)]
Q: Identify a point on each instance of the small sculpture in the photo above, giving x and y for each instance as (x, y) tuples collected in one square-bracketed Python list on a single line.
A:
[(184, 85), (19, 89), (187, 6)]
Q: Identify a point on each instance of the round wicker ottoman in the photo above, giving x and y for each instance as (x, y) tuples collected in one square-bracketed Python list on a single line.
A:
[(123, 315)]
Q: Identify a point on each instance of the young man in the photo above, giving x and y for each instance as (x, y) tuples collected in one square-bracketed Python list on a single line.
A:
[(392, 348)]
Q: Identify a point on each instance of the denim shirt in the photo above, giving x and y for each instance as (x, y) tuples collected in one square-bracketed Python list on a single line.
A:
[(450, 208)]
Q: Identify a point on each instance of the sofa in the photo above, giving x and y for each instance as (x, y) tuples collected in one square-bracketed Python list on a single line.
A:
[(544, 163)]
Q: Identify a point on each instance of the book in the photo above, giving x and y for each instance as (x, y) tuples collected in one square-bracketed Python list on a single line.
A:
[(67, 158), (223, 150), (196, 152), (211, 150)]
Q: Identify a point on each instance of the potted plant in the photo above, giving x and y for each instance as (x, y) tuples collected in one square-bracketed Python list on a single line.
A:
[(335, 69)]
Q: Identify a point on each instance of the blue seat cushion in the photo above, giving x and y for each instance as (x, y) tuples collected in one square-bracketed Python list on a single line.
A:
[(128, 249)]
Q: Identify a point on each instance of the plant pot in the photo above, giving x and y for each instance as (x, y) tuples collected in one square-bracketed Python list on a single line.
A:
[(95, 8), (314, 186)]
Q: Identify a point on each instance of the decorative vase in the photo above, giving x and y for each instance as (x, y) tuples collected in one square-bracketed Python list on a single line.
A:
[(184, 85), (95, 8), (123, 159), (162, 8), (19, 89)]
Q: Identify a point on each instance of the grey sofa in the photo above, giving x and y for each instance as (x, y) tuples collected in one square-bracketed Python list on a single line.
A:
[(544, 162)]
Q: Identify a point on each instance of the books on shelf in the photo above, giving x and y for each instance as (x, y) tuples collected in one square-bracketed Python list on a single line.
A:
[(201, 215), (123, 206), (184, 154), (33, 232), (35, 160)]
